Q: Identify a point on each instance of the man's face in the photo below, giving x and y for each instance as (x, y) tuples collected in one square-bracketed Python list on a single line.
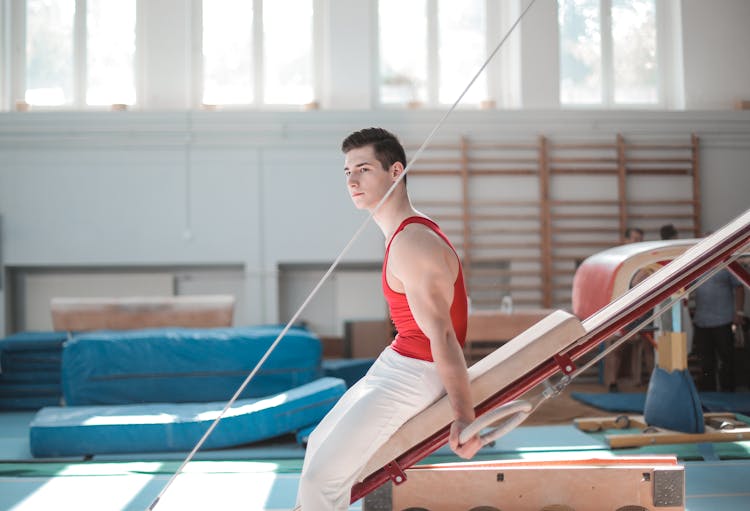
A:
[(366, 179)]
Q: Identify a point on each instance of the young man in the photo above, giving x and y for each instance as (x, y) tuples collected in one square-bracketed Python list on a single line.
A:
[(424, 287)]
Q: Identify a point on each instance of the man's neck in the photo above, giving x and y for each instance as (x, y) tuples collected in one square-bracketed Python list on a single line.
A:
[(394, 211)]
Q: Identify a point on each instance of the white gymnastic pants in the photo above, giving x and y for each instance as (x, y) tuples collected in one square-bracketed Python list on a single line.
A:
[(393, 390)]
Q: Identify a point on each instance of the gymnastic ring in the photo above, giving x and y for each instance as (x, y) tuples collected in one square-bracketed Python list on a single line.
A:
[(515, 411)]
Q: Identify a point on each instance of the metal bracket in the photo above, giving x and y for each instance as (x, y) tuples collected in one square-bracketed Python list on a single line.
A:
[(395, 473), (565, 362)]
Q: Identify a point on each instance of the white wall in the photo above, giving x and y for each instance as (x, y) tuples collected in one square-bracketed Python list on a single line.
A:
[(539, 56), (716, 39), (259, 189), (169, 186), (165, 72)]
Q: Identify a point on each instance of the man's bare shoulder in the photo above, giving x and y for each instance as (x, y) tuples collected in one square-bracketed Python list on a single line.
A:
[(420, 239), (418, 255), (418, 250)]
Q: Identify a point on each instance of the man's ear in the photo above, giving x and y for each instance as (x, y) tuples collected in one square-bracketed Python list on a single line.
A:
[(396, 169)]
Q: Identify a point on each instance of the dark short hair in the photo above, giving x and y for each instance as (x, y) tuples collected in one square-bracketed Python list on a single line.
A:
[(668, 232), (388, 150), (631, 230)]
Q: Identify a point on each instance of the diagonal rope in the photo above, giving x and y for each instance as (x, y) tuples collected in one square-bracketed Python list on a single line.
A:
[(336, 262)]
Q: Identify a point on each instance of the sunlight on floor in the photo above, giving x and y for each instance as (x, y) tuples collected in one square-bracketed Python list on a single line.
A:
[(94, 493), (218, 491)]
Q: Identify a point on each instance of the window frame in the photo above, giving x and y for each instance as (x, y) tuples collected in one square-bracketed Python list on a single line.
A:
[(502, 75), (4, 57), (15, 38), (607, 93), (258, 102)]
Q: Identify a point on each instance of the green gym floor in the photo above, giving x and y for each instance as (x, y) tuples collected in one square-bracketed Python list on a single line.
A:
[(264, 477)]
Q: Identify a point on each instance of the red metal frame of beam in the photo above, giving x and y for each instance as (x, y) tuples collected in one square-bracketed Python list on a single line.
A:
[(540, 373), (740, 272)]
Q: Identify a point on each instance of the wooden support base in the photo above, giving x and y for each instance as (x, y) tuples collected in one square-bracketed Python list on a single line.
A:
[(720, 427), (672, 351), (654, 483)]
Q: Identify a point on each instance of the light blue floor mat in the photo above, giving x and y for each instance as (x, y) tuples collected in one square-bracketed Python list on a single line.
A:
[(90, 430)]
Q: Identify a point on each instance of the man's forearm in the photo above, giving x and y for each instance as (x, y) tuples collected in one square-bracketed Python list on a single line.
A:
[(452, 370)]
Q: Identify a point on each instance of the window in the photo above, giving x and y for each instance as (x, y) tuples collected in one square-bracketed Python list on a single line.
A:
[(110, 52), (608, 52), (287, 52), (49, 52), (4, 62), (429, 49), (461, 49), (73, 59), (227, 52), (257, 52)]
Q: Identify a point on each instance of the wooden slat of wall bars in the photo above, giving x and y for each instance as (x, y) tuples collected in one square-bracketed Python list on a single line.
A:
[(582, 223), (622, 186), (695, 161), (496, 226), (507, 225), (546, 227), (465, 221), (521, 215), (664, 186)]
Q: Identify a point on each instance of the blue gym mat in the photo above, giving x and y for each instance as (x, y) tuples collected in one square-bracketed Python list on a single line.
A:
[(348, 369), (33, 340), (180, 365), (90, 430), (30, 370), (732, 402)]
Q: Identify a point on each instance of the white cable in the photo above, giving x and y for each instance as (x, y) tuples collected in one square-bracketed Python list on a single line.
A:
[(335, 263)]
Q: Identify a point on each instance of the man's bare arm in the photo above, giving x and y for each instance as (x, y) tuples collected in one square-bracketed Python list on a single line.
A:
[(427, 269)]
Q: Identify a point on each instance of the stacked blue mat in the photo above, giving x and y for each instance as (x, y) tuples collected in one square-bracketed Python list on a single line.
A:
[(160, 389), (183, 365), (30, 370), (348, 369)]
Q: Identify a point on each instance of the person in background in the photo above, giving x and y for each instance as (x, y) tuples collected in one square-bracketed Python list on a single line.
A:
[(633, 235), (668, 232), (719, 304)]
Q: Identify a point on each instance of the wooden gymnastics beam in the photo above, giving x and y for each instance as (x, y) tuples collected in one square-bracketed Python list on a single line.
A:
[(82, 314)]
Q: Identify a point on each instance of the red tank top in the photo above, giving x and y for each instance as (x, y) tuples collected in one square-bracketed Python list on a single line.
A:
[(410, 341)]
